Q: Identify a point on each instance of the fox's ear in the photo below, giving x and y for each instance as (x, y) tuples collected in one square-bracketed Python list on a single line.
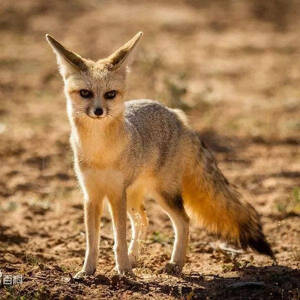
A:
[(68, 61), (120, 58)]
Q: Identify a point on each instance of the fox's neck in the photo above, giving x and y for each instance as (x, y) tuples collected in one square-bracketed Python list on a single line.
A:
[(98, 143), (101, 131)]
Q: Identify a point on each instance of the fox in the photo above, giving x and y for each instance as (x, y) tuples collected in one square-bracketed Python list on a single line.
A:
[(135, 150)]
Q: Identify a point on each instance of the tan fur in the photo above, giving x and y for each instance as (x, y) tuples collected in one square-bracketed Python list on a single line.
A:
[(211, 209), (138, 150)]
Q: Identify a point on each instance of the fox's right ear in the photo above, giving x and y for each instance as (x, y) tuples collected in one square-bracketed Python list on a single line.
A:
[(68, 61)]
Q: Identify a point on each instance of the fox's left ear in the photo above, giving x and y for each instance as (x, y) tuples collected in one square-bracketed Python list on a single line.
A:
[(68, 61), (122, 57)]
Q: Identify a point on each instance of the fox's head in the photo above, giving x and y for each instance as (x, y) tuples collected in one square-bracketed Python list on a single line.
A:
[(94, 89)]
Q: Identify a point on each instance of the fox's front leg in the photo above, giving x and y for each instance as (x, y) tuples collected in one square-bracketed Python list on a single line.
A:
[(93, 203), (92, 215), (118, 212)]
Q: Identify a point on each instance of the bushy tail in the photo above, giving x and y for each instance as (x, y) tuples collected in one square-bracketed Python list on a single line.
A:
[(218, 206)]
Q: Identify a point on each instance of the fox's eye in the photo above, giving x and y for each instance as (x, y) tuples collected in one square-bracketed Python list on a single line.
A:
[(110, 95), (86, 94)]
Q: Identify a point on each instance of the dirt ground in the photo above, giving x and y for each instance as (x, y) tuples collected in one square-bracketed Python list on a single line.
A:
[(234, 66)]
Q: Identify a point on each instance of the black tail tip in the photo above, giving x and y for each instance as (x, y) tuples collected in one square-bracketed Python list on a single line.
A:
[(261, 246)]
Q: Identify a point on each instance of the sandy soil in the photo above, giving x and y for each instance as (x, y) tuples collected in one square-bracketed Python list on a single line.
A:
[(234, 66)]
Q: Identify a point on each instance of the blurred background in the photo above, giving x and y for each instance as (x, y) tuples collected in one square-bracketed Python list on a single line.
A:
[(233, 66)]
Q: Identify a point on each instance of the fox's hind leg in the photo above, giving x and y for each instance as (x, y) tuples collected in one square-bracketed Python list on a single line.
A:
[(173, 206), (139, 223)]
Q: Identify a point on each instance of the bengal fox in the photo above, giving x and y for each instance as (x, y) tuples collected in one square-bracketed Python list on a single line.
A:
[(139, 149)]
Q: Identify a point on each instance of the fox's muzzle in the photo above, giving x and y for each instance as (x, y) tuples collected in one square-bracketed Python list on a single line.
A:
[(96, 112)]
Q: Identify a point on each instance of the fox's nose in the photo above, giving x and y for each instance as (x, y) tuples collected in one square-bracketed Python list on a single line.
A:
[(98, 111)]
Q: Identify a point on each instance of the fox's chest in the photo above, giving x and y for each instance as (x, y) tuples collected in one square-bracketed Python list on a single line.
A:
[(95, 152), (96, 155)]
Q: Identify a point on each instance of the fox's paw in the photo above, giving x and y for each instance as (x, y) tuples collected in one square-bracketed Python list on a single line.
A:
[(125, 270), (81, 274), (172, 269)]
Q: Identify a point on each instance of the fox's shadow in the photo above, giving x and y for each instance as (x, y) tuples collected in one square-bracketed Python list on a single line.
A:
[(269, 282)]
